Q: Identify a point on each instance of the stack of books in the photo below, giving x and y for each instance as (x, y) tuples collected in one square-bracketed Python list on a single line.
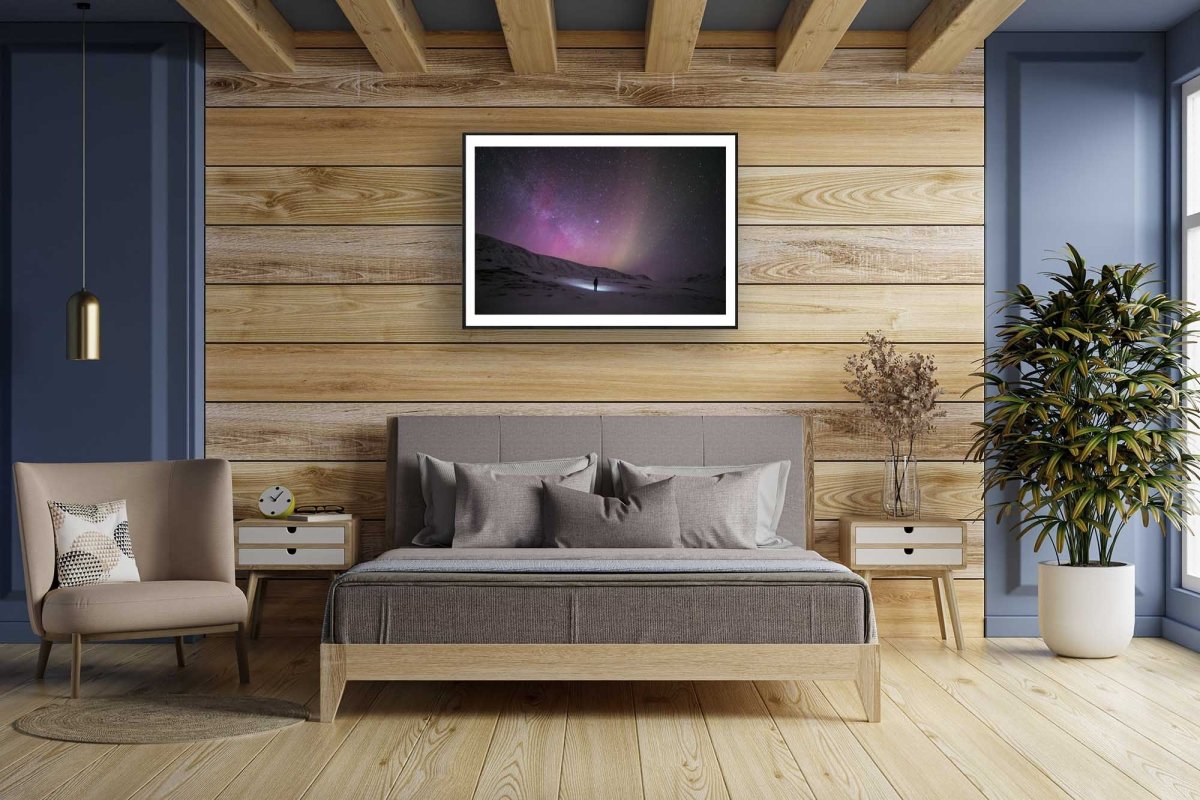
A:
[(322, 516)]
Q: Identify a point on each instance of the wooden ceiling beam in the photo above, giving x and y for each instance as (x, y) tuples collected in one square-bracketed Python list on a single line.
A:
[(809, 32), (672, 27), (949, 29), (530, 35), (392, 31), (253, 30)]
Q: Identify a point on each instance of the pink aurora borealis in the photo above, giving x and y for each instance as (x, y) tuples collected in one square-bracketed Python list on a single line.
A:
[(657, 211)]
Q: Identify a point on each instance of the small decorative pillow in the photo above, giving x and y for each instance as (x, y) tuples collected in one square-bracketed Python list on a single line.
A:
[(92, 543), (719, 511), (647, 517), (504, 510)]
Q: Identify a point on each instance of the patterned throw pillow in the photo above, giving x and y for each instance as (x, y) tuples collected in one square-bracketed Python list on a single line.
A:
[(92, 543)]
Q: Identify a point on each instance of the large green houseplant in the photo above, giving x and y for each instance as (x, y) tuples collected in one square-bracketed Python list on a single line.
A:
[(1087, 427)]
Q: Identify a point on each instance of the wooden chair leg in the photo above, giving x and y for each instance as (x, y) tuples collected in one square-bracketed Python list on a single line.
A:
[(179, 659), (76, 663), (242, 659), (43, 658), (255, 587)]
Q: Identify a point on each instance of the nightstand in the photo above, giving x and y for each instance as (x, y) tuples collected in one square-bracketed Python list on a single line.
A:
[(931, 548), (279, 548)]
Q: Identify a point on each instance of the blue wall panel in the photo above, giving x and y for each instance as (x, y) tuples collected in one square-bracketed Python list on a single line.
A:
[(1074, 152), (143, 399)]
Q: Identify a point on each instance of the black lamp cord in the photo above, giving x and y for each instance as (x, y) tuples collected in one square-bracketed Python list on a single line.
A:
[(83, 9)]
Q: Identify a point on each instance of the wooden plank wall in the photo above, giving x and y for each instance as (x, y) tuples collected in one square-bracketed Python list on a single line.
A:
[(334, 257)]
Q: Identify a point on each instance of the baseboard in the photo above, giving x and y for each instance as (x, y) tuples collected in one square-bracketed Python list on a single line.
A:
[(1027, 627), (1181, 633)]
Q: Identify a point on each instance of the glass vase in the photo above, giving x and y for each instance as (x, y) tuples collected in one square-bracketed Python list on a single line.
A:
[(901, 489)]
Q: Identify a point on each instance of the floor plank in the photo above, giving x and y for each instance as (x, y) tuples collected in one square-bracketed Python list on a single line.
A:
[(526, 754), (752, 754), (201, 770), (369, 761), (450, 753), (1068, 762), (1159, 723), (835, 764), (919, 768), (1155, 767), (678, 760), (601, 744), (996, 768)]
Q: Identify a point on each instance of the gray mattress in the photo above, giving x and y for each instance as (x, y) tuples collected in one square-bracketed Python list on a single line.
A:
[(547, 596)]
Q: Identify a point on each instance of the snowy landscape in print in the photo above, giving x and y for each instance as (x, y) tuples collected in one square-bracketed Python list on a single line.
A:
[(590, 232)]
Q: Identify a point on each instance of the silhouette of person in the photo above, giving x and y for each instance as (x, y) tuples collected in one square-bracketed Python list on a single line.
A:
[(595, 284)]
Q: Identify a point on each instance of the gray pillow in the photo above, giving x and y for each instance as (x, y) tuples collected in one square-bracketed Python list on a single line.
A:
[(438, 489), (719, 511), (498, 510), (772, 492), (648, 517)]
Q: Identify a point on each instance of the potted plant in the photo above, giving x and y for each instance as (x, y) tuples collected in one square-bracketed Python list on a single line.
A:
[(1087, 427), (899, 396)]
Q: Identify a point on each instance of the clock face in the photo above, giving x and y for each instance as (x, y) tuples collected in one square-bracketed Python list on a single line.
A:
[(276, 501)]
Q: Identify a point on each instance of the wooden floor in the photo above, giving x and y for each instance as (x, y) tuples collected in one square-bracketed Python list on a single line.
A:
[(1005, 720)]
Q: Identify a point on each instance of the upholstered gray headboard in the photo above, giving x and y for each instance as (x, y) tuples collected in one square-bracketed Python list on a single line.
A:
[(661, 440)]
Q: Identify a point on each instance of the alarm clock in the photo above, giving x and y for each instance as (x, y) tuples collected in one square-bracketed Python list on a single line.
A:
[(276, 502)]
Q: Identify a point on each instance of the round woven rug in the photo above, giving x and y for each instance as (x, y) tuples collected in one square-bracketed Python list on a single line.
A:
[(155, 719)]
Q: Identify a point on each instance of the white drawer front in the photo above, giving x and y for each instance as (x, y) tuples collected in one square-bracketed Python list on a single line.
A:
[(291, 534), (284, 556), (906, 535), (896, 556)]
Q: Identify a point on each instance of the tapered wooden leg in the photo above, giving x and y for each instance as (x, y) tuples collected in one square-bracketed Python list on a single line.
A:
[(333, 680), (937, 601), (179, 659), (242, 659), (76, 662), (254, 591), (43, 658), (952, 602), (868, 682)]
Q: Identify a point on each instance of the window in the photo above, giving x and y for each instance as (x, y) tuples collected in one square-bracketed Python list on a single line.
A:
[(1191, 285)]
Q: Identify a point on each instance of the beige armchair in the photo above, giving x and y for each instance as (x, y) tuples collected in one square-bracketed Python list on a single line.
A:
[(181, 524)]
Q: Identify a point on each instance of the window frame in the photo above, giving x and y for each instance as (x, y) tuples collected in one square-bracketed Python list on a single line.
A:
[(1190, 274)]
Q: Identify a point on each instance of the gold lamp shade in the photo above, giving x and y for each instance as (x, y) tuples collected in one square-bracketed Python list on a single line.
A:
[(83, 326)]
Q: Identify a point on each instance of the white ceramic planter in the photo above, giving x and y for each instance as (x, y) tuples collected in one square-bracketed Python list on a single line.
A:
[(1086, 612)]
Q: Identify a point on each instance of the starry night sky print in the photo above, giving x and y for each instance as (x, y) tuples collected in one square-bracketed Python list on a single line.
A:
[(656, 211)]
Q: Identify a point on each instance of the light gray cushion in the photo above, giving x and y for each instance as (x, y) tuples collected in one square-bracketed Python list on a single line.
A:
[(714, 511), (438, 489), (495, 509), (647, 517), (772, 491)]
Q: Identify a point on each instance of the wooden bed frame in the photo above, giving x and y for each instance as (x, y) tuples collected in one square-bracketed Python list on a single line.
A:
[(598, 662)]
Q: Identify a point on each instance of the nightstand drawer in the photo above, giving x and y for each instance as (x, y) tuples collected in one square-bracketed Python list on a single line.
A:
[(291, 556), (905, 556), (289, 535), (908, 534)]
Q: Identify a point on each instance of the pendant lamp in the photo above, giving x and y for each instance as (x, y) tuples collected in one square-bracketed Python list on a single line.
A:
[(83, 307)]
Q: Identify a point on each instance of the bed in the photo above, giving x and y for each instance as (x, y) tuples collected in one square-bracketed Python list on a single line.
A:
[(599, 614)]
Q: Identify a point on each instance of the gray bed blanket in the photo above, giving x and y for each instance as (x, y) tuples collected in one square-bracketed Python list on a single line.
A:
[(518, 595)]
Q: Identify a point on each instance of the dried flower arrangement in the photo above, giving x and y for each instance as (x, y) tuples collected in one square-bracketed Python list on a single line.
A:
[(899, 395)]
